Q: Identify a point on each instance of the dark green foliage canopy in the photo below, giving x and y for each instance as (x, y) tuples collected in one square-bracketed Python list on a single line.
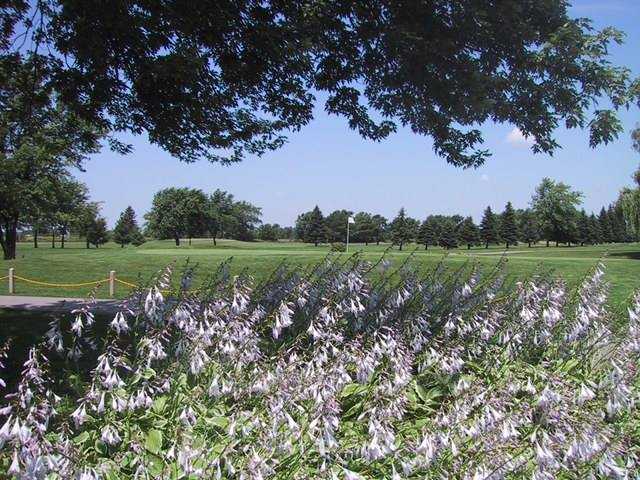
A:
[(206, 77)]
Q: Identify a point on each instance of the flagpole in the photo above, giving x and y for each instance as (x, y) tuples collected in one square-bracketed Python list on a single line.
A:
[(347, 234)]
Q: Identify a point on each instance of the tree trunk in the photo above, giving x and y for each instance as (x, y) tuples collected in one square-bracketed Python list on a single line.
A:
[(53, 238), (426, 246), (529, 244), (400, 246), (35, 238), (189, 241), (486, 245), (214, 241), (177, 241), (547, 243), (62, 240), (88, 243), (315, 244), (468, 246), (8, 239), (557, 243), (122, 245), (507, 245)]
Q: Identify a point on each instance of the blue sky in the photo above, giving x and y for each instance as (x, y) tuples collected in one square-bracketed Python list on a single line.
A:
[(329, 165)]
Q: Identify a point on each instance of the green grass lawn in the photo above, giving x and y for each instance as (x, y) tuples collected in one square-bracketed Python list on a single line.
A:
[(76, 264)]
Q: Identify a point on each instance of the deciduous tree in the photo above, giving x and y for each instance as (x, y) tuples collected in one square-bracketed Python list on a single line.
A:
[(554, 204), (208, 78)]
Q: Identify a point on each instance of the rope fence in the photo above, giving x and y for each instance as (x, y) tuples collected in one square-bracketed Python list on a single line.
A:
[(111, 280)]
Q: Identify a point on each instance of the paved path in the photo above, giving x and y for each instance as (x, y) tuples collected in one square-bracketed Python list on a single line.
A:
[(51, 303)]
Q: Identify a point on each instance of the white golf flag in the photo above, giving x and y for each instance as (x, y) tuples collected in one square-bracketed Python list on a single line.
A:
[(351, 220)]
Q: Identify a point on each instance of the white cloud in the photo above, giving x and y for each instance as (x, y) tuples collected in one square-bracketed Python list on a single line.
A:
[(484, 177), (518, 139)]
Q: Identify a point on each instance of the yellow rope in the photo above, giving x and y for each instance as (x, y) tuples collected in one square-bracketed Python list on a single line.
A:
[(3, 278), (132, 285), (59, 285)]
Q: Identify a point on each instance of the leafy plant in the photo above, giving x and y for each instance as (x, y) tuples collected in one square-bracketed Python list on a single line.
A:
[(347, 370)]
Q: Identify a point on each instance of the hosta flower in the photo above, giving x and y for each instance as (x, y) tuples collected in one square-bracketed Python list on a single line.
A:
[(548, 398), (109, 435), (283, 319), (14, 468), (79, 415), (349, 475), (585, 394), (119, 323)]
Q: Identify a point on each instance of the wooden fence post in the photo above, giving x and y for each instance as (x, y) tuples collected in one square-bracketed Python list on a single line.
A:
[(12, 288), (112, 283)]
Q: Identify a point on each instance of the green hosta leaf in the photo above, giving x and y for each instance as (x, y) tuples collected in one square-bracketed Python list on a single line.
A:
[(82, 438), (221, 422), (159, 404), (154, 441), (353, 389)]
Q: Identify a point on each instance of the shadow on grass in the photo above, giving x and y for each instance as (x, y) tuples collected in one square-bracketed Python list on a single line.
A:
[(26, 329), (629, 255)]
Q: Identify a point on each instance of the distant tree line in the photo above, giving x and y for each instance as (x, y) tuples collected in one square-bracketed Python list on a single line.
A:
[(553, 217)]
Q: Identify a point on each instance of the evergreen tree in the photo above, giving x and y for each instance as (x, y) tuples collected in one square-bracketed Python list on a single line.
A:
[(401, 229), (595, 235), (469, 233), (364, 228), (427, 233), (315, 231), (126, 229), (584, 231), (448, 238), (508, 226), (618, 225), (489, 228), (529, 231), (605, 226), (379, 227)]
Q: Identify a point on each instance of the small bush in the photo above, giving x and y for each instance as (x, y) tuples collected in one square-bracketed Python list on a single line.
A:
[(338, 247)]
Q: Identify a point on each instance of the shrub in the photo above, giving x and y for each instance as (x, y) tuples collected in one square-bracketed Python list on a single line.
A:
[(338, 247), (328, 375)]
